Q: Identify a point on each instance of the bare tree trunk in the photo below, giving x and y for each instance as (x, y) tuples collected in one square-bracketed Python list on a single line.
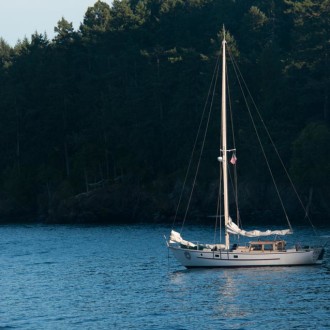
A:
[(66, 151), (18, 149), (86, 180), (326, 91), (310, 198), (67, 162)]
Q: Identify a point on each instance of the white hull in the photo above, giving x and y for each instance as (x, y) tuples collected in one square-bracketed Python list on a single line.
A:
[(258, 253), (194, 258)]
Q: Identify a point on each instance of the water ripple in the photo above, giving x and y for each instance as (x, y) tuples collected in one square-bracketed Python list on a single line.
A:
[(121, 277)]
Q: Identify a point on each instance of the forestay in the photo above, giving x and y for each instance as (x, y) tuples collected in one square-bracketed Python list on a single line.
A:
[(232, 228)]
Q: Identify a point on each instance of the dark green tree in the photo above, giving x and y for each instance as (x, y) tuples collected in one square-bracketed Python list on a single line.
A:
[(310, 54), (6, 53), (311, 157), (64, 32), (97, 19)]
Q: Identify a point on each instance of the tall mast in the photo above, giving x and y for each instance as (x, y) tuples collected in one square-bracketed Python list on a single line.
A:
[(224, 141)]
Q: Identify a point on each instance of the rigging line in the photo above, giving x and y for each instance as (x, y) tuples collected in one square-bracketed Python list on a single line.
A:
[(236, 69), (234, 188), (219, 207), (230, 111), (278, 155), (231, 181), (203, 144), (195, 143), (238, 220), (219, 201)]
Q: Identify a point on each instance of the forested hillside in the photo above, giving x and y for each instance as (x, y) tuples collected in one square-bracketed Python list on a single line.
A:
[(98, 123)]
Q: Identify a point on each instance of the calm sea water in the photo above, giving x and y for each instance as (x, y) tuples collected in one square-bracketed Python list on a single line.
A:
[(121, 277)]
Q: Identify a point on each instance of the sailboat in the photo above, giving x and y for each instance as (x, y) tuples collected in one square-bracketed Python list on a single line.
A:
[(254, 253)]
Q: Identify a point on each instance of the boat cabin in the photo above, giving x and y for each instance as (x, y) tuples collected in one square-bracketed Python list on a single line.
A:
[(267, 246)]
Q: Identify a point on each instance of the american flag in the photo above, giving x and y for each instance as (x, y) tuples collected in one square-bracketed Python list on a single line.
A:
[(233, 159)]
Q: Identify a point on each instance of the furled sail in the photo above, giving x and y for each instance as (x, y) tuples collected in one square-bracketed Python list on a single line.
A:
[(176, 238), (232, 228)]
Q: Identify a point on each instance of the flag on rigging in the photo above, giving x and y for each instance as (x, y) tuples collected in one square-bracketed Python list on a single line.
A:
[(233, 159)]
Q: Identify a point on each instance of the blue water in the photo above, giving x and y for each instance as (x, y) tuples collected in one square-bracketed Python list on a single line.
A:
[(120, 277)]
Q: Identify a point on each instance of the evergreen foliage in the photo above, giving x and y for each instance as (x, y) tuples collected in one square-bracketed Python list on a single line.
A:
[(119, 100)]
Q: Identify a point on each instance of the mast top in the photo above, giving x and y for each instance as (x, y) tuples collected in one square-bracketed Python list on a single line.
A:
[(224, 33)]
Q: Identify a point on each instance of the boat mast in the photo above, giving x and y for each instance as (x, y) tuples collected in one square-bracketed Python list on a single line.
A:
[(224, 141)]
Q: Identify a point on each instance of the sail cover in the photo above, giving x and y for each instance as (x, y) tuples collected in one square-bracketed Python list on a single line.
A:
[(176, 238), (232, 228)]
